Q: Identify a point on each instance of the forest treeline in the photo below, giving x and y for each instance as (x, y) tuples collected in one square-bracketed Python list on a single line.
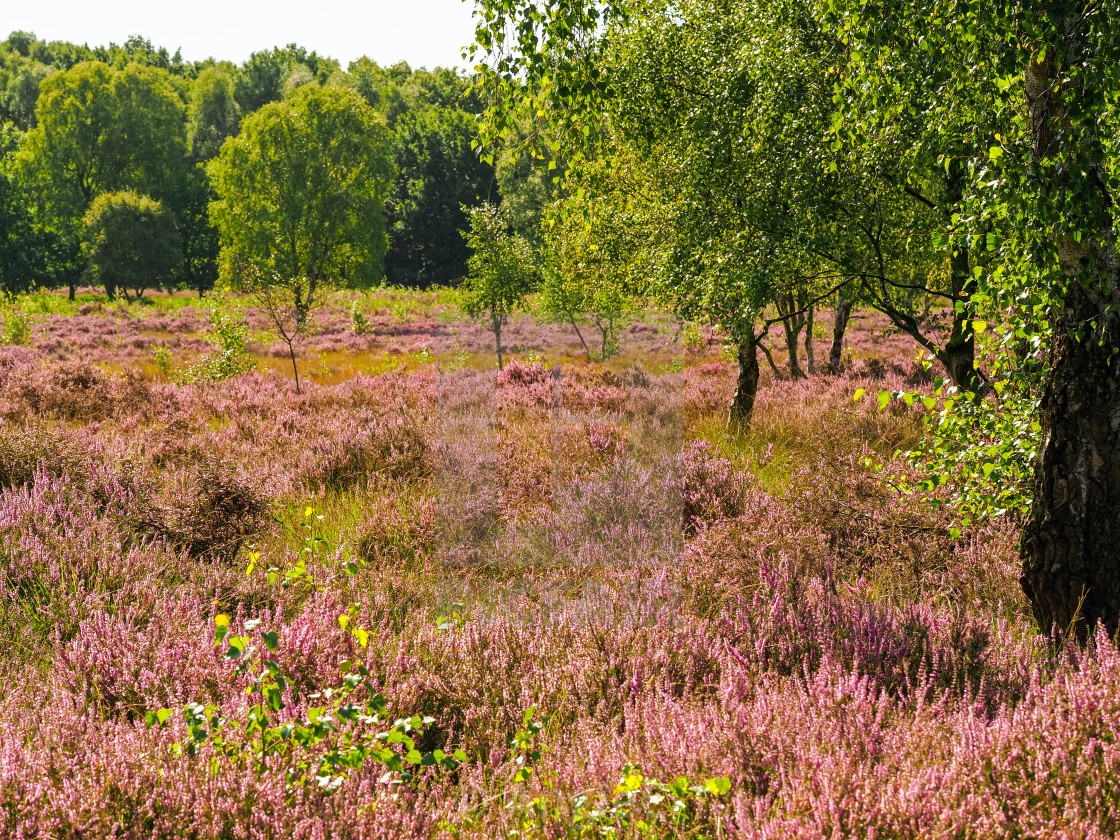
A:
[(141, 124)]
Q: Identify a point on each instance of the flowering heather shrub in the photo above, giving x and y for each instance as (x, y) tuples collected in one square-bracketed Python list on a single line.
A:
[(521, 384), (386, 447), (29, 450), (524, 473), (587, 388), (468, 514), (518, 374), (142, 656), (77, 392), (176, 441), (710, 487), (69, 391), (62, 558), (13, 357), (603, 439), (706, 387), (625, 513)]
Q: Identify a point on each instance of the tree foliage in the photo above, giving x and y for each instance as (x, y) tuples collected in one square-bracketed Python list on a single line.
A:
[(590, 271), (23, 245), (87, 151), (502, 270), (131, 244), (213, 113), (301, 191), (439, 173), (100, 130)]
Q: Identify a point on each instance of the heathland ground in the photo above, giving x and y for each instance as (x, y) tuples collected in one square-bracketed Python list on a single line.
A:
[(621, 620)]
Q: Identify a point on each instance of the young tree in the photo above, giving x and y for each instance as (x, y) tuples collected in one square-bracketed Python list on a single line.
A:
[(276, 298), (502, 270), (586, 270), (301, 194), (131, 244)]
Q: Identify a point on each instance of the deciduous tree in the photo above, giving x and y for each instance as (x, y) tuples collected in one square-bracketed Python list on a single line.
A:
[(502, 270), (438, 174), (301, 193), (131, 244), (100, 130)]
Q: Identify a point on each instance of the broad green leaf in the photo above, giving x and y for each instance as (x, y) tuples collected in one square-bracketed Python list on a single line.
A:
[(719, 786)]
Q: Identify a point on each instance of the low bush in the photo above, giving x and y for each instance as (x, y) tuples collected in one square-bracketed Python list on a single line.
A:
[(27, 451), (709, 487), (209, 512), (390, 446), (76, 392)]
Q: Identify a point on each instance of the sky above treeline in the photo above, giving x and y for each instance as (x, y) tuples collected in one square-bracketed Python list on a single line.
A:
[(425, 33)]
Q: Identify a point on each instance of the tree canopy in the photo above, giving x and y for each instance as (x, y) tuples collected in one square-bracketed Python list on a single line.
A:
[(301, 190), (100, 129), (131, 243), (103, 134), (439, 173), (502, 269)]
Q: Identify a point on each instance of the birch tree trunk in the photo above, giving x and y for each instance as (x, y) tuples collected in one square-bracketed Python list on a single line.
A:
[(1070, 546)]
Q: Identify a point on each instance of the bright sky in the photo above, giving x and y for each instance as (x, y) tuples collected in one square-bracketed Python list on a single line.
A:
[(425, 33)]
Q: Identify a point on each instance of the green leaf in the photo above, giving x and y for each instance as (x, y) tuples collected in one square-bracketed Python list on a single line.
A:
[(884, 399), (859, 394), (221, 627), (719, 786)]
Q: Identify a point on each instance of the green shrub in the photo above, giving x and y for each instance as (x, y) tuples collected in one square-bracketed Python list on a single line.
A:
[(228, 338)]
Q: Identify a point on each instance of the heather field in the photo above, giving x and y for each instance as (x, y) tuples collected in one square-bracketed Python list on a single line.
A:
[(424, 598)]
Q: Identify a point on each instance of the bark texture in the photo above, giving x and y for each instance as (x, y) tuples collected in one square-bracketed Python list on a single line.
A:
[(746, 386), (959, 355), (810, 360), (496, 325), (1071, 543), (1070, 547), (792, 313), (839, 327)]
